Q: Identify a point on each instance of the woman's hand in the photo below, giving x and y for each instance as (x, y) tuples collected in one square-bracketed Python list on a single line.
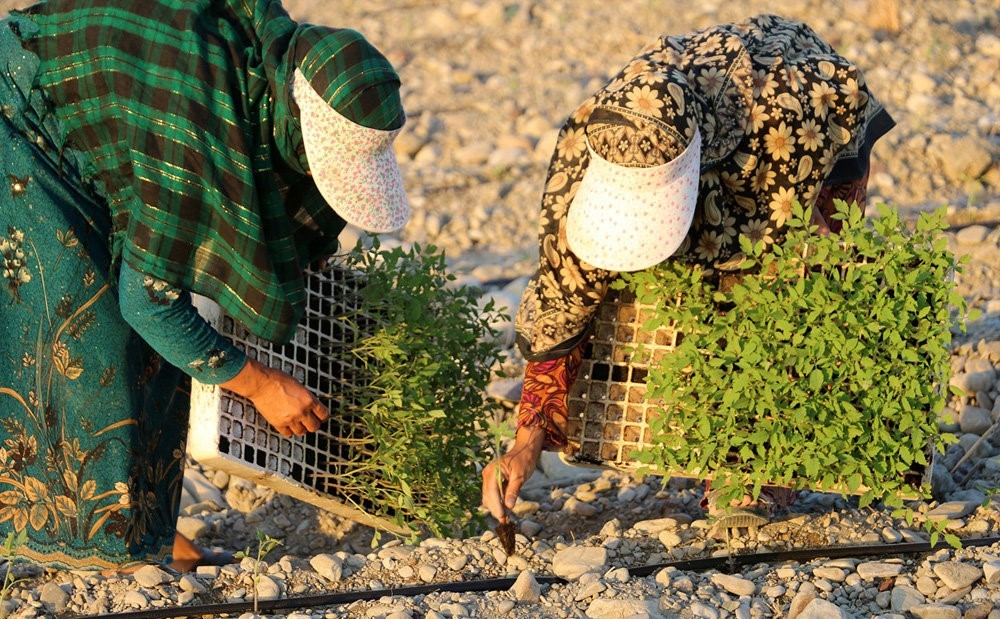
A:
[(282, 400), (503, 478)]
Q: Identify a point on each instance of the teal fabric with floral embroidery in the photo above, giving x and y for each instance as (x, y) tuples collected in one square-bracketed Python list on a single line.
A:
[(92, 422), (165, 317)]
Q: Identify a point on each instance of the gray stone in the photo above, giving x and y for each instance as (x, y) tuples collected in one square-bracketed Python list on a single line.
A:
[(734, 584), (267, 588), (526, 588), (589, 590), (505, 389), (426, 572), (201, 488), (622, 609), (54, 596), (991, 572), (927, 585), (903, 598), (891, 536), (974, 420), (971, 382), (819, 608), (190, 527), (972, 235), (704, 611), (150, 576), (936, 611), (964, 157), (663, 578), (577, 507), (653, 527), (190, 583), (942, 483), (670, 539), (530, 528), (948, 596), (957, 575), (135, 599), (571, 563), (800, 601), (871, 570), (835, 574), (210, 572), (328, 566), (952, 510)]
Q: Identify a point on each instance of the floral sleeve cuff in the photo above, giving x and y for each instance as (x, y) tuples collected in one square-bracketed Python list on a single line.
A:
[(544, 396)]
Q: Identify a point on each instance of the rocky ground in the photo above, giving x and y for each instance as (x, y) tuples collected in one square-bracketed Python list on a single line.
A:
[(486, 86)]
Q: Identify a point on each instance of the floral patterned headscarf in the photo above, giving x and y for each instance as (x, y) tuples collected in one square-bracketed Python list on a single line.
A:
[(780, 113)]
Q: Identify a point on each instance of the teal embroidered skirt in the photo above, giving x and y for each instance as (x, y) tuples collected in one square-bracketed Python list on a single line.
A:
[(92, 424)]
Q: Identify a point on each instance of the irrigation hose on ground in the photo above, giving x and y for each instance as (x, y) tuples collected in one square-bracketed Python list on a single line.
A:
[(502, 584)]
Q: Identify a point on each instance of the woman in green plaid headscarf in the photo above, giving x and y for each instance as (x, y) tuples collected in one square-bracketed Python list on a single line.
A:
[(152, 150)]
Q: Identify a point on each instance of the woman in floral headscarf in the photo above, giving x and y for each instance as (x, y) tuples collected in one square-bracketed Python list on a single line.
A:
[(699, 139), (153, 150)]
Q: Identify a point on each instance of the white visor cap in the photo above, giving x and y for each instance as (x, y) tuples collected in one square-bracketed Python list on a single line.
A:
[(631, 218), (353, 166)]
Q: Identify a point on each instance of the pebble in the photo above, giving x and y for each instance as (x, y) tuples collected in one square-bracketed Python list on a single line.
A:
[(151, 576), (526, 588), (903, 598), (328, 566), (135, 599), (427, 572), (187, 582), (54, 596), (619, 608), (267, 588), (573, 562), (936, 611), (957, 575), (819, 608), (991, 572), (734, 584), (800, 601), (835, 574)]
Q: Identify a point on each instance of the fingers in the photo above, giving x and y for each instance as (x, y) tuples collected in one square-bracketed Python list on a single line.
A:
[(322, 412), (491, 493), (513, 489)]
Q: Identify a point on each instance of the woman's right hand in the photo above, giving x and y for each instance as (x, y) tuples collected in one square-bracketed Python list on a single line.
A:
[(503, 478), (283, 401)]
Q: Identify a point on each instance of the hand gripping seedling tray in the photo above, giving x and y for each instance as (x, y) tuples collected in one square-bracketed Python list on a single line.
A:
[(227, 433), (608, 411)]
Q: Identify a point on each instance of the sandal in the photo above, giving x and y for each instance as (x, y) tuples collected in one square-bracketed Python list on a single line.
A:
[(748, 514)]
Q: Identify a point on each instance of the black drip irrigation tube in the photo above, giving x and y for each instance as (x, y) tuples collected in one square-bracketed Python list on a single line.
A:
[(502, 584)]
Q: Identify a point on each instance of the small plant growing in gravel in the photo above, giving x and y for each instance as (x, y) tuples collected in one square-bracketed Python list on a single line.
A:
[(501, 430), (821, 367), (429, 357), (265, 544), (14, 540)]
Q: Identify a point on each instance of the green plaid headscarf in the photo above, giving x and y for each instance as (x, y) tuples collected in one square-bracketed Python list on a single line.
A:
[(182, 112)]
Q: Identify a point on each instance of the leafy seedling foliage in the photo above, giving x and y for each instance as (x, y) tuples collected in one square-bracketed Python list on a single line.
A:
[(8, 552), (429, 359), (265, 544), (820, 368)]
